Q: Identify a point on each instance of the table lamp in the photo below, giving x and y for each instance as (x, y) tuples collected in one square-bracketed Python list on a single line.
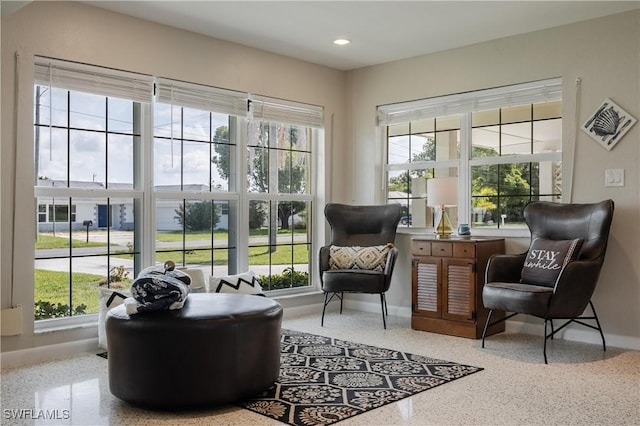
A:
[(442, 193)]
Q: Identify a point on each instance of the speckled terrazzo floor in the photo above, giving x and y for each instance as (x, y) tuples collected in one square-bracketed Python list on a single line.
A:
[(582, 385)]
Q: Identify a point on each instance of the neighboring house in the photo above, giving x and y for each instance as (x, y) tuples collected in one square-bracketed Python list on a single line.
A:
[(53, 214)]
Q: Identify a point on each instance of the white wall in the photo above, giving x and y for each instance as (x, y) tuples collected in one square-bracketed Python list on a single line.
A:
[(605, 54), (83, 33)]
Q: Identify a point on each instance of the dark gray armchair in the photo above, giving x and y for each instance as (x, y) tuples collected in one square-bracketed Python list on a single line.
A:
[(567, 296), (359, 226)]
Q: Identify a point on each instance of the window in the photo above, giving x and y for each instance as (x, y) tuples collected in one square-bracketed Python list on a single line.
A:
[(418, 151), (279, 189), (87, 148), (504, 145), (42, 213), (56, 213), (60, 213), (125, 180), (509, 161), (280, 205), (195, 175)]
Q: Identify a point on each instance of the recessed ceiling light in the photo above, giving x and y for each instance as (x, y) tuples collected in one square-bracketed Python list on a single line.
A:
[(341, 41)]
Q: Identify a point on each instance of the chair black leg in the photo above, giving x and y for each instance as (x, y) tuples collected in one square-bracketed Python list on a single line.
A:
[(341, 299), (491, 324), (383, 302), (486, 325), (544, 349), (326, 294), (386, 308), (595, 316)]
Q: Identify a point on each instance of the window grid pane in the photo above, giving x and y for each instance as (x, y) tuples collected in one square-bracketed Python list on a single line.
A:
[(92, 248), (498, 191), (88, 141), (82, 243), (280, 243)]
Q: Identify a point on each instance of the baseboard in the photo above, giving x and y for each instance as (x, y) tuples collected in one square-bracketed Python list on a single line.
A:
[(572, 333), (359, 305), (297, 311), (47, 353), (575, 334)]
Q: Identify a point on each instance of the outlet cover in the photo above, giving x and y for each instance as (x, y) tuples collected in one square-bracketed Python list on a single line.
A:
[(11, 321)]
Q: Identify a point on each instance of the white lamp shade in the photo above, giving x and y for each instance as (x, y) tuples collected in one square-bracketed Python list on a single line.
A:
[(442, 192)]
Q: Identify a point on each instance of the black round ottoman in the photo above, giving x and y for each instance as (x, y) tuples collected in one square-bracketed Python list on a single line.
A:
[(217, 349)]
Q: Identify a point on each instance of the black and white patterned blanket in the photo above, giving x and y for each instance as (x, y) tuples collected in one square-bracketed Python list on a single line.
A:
[(159, 288)]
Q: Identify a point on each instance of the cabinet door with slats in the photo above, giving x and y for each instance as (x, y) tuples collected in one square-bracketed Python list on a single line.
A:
[(458, 289), (426, 281)]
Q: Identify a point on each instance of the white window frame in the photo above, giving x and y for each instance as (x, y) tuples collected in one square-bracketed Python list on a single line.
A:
[(140, 89), (213, 100), (465, 104), (78, 77), (278, 111)]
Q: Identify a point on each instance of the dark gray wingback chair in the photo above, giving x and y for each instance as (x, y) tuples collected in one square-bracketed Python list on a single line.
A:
[(359, 226), (567, 297)]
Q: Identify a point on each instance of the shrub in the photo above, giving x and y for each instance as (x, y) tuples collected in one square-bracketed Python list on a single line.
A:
[(44, 310), (288, 279), (118, 278), (200, 215)]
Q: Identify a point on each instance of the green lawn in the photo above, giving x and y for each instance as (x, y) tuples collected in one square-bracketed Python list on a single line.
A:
[(176, 236), (48, 241), (257, 256), (53, 286)]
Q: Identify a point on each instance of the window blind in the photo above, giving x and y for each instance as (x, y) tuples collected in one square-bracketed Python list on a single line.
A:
[(281, 111), (93, 79), (500, 97), (202, 97)]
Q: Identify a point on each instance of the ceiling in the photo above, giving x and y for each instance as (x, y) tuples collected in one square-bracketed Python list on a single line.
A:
[(380, 31)]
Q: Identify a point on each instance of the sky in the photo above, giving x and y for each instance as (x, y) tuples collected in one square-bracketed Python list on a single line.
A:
[(92, 159)]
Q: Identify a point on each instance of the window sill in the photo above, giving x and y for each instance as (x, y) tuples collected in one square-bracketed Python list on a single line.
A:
[(91, 320), (312, 291), (65, 324), (498, 233)]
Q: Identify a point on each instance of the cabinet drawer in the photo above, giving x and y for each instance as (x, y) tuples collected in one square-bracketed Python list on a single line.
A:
[(464, 250), (441, 249), (421, 248)]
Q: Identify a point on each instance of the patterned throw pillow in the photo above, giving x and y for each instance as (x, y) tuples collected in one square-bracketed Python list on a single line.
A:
[(372, 258), (198, 284), (547, 258), (108, 298), (245, 283)]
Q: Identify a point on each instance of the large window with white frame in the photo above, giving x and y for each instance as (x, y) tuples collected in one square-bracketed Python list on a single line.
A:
[(504, 145), (280, 196), (132, 170), (87, 186), (195, 173)]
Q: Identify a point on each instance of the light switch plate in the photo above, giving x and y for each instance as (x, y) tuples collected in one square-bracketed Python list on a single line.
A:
[(614, 177)]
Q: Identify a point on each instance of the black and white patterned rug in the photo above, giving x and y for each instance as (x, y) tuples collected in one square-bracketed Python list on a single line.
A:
[(325, 380)]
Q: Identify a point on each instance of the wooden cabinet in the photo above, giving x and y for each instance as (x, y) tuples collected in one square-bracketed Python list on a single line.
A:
[(447, 280)]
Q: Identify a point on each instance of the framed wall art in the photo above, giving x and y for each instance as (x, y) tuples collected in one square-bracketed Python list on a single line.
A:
[(608, 124)]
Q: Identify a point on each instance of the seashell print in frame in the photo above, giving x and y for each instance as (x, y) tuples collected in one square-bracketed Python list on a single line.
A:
[(608, 124)]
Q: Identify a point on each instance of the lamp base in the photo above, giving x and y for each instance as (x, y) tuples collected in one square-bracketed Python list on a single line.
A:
[(443, 228)]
